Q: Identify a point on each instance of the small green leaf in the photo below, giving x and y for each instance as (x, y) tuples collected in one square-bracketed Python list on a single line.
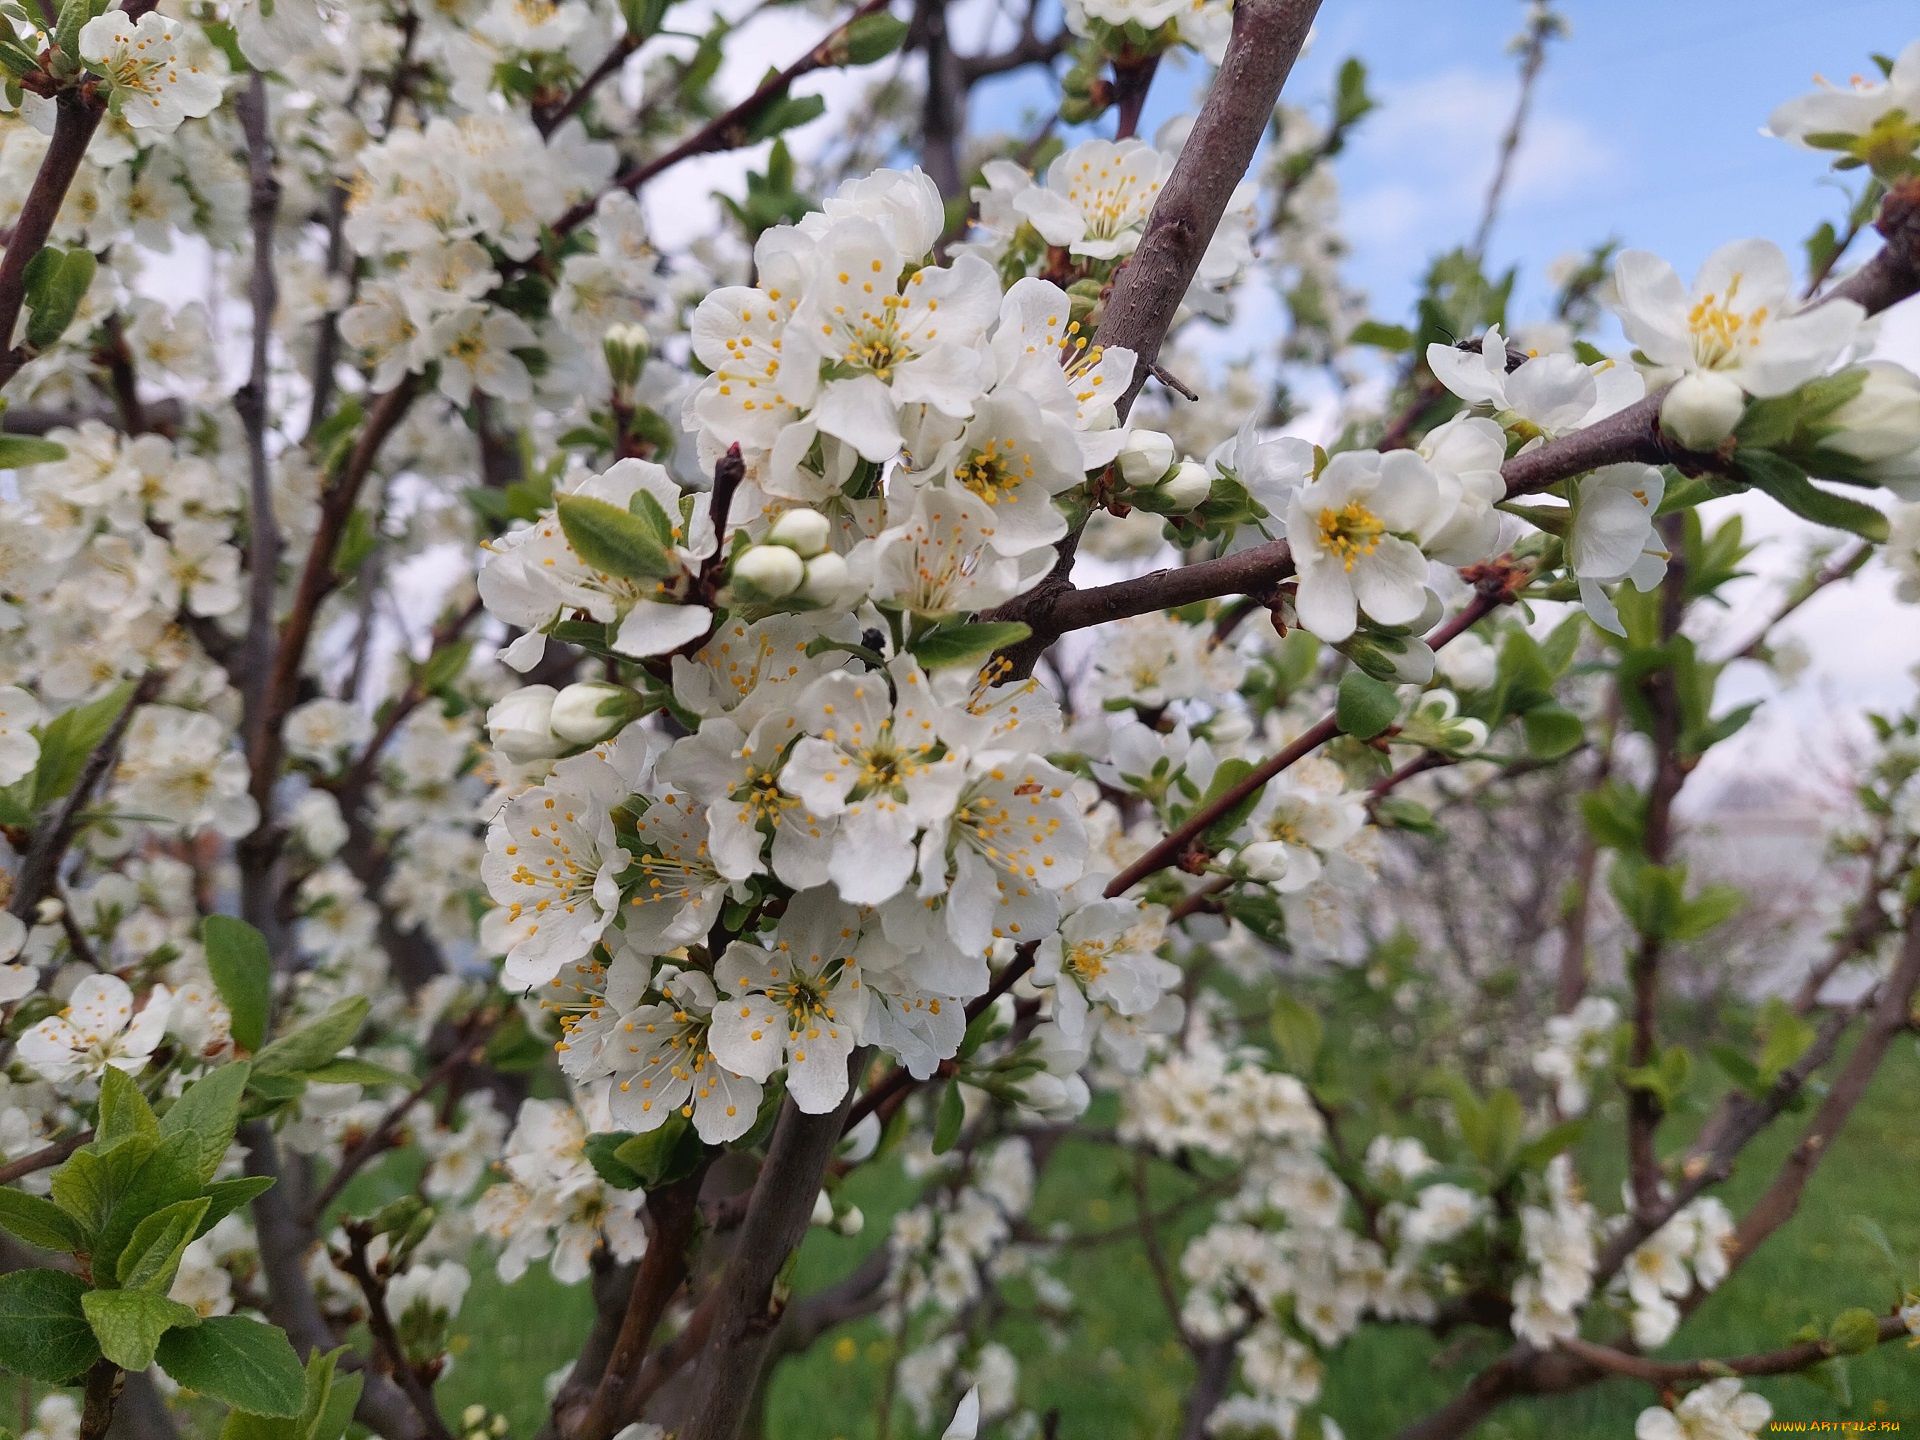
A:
[(351, 1070), (70, 738), (152, 1257), (952, 1114), (969, 644), (209, 1111), (18, 451), (1709, 909), (242, 969), (123, 1109), (613, 540), (89, 1185), (226, 1196), (357, 541), (660, 1157), (1228, 774), (44, 1334), (57, 281), (1298, 1032), (873, 37), (39, 1222), (312, 1046), (788, 112), (1366, 706), (600, 1149), (249, 1365), (129, 1323), (1788, 483), (1382, 336), (1552, 730), (1855, 1331)]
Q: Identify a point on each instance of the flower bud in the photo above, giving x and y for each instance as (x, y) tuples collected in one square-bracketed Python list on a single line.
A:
[(767, 572), (1264, 860), (1145, 458), (1883, 420), (626, 348), (1701, 409), (521, 724), (822, 1210), (850, 1221), (1188, 486), (826, 577), (807, 532), (592, 711)]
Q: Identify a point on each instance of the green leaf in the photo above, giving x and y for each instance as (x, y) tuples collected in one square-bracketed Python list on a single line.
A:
[(249, 1365), (242, 971), (17, 451), (951, 1115), (123, 1109), (152, 1256), (57, 281), (1298, 1033), (1786, 1038), (357, 540), (873, 37), (1649, 896), (129, 1323), (1552, 730), (1616, 817), (39, 1222), (1365, 707), (952, 645), (1712, 907), (226, 1196), (660, 1157), (209, 1111), (44, 1334), (70, 738), (1226, 776), (314, 1045), (89, 1185), (599, 1150), (1382, 336), (326, 1406), (1788, 483), (1855, 1331), (171, 1174), (351, 1070), (446, 665), (788, 112), (1535, 1154), (613, 539), (1739, 1069)]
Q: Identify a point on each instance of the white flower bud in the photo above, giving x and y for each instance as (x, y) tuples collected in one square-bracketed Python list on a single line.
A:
[(806, 531), (318, 824), (592, 711), (1883, 420), (851, 1222), (1264, 860), (1145, 458), (521, 724), (1701, 409), (1188, 486), (626, 348), (826, 578), (767, 572), (822, 1209)]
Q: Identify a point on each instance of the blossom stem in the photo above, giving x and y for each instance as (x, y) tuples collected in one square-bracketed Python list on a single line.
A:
[(1665, 1373)]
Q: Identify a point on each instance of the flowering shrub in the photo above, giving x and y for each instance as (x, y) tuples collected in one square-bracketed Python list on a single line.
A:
[(608, 721)]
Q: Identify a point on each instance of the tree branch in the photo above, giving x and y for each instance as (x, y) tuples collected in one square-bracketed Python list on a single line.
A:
[(1668, 1373), (380, 1323)]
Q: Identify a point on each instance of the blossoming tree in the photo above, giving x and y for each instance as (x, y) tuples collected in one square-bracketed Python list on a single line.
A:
[(524, 746)]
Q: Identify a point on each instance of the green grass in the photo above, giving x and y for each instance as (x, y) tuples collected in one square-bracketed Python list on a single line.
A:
[(1123, 1375)]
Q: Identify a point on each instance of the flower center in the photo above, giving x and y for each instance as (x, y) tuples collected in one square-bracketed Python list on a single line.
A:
[(992, 476), (1719, 330), (1350, 532)]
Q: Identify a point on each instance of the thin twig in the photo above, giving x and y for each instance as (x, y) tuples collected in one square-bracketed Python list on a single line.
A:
[(1542, 26), (380, 1323), (1667, 1373)]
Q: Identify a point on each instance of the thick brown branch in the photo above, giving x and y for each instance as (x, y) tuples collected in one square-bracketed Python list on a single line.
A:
[(1267, 36), (75, 120), (776, 1222)]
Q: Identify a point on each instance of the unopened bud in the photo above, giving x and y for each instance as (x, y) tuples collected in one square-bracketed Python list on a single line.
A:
[(806, 532), (592, 711), (521, 724), (826, 577), (1145, 458), (626, 348), (1188, 486), (822, 1209), (1701, 409), (767, 572), (1883, 420), (49, 911)]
